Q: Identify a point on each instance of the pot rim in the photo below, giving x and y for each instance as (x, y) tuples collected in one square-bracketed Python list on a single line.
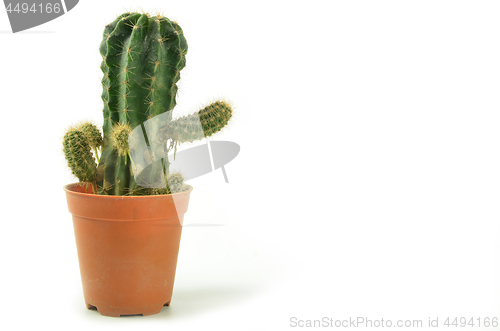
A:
[(67, 188)]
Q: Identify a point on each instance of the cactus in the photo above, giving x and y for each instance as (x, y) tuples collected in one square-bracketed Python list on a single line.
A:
[(176, 183), (186, 129), (119, 138), (77, 152), (93, 135), (142, 57)]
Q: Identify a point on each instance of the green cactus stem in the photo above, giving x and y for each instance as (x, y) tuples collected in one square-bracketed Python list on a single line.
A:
[(187, 129), (142, 60), (79, 156), (93, 135)]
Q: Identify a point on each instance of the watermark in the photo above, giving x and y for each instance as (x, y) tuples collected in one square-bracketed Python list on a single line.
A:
[(365, 322), (25, 14), (149, 151)]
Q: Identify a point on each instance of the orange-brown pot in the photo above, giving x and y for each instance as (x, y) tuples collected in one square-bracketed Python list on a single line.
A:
[(127, 249)]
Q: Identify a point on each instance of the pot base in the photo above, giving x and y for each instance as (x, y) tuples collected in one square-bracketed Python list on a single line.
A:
[(118, 312)]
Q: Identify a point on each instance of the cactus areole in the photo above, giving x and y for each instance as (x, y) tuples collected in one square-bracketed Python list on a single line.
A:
[(142, 57)]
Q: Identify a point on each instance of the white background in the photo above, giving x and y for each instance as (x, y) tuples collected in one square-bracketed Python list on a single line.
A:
[(367, 185)]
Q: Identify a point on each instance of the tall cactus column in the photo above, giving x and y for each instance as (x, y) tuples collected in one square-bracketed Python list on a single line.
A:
[(142, 60)]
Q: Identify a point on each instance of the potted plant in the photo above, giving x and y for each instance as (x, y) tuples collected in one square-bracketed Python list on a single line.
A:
[(128, 209)]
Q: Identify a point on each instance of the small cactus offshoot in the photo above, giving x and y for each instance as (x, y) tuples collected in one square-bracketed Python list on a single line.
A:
[(212, 118), (142, 57), (119, 138), (93, 135), (175, 183), (80, 159)]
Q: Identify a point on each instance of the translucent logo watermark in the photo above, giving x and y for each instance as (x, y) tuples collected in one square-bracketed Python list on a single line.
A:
[(25, 14), (151, 152), (154, 155)]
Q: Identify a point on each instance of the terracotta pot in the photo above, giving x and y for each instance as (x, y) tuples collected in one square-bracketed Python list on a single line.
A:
[(127, 249)]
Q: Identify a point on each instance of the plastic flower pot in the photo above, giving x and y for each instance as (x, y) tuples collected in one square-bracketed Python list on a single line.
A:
[(127, 249)]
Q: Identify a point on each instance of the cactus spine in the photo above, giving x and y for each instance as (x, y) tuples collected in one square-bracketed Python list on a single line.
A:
[(142, 57)]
